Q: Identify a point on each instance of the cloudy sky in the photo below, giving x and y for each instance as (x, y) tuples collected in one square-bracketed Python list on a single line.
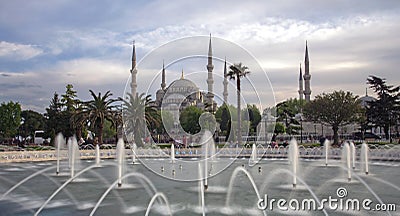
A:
[(45, 45)]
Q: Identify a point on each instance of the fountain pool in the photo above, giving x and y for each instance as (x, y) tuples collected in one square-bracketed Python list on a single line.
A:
[(144, 191)]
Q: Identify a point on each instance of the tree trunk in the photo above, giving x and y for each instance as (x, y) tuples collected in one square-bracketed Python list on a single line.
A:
[(79, 132), (100, 134), (335, 135), (386, 131), (239, 128)]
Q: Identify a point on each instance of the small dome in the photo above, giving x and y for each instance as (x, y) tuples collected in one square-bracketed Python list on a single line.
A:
[(364, 100)]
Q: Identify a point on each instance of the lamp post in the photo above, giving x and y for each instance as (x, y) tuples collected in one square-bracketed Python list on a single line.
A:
[(301, 129)]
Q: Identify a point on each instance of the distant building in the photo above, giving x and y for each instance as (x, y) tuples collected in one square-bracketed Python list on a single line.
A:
[(182, 93)]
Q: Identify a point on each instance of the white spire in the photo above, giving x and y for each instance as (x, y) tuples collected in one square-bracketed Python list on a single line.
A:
[(163, 85), (307, 75), (225, 82), (301, 92), (210, 80), (133, 71)]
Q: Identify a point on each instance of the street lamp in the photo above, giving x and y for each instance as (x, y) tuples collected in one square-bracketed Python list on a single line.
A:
[(301, 129)]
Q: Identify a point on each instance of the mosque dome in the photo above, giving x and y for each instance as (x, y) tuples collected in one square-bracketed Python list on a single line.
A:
[(182, 85), (364, 100)]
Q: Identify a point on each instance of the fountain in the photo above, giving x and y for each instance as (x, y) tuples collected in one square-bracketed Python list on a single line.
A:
[(253, 157), (326, 148), (59, 142), (364, 157), (134, 151), (236, 190), (346, 159), (97, 155), (294, 159), (207, 143), (353, 154), (120, 159), (172, 153), (74, 156)]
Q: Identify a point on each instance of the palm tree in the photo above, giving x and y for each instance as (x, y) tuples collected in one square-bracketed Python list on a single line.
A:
[(78, 120), (139, 111), (117, 122), (97, 110), (237, 71)]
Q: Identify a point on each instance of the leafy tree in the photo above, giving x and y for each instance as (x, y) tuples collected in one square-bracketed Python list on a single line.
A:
[(189, 119), (117, 123), (336, 109), (98, 110), (138, 111), (223, 117), (254, 116), (61, 114), (78, 120), (166, 121), (10, 119), (71, 105), (69, 100), (286, 112), (385, 111), (279, 128), (108, 129), (32, 121), (56, 121), (238, 71)]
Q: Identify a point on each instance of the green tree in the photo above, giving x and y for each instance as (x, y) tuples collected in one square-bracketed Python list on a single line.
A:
[(138, 112), (69, 100), (223, 117), (279, 128), (97, 110), (10, 119), (335, 109), (385, 111), (108, 129), (31, 121), (286, 112), (55, 120), (189, 119), (70, 106), (238, 71), (253, 115), (78, 120)]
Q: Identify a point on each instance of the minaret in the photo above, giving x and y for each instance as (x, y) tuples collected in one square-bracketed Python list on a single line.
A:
[(133, 71), (301, 92), (307, 76), (225, 82), (210, 80), (163, 85)]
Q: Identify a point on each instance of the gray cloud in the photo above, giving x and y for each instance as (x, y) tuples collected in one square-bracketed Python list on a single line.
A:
[(348, 41)]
